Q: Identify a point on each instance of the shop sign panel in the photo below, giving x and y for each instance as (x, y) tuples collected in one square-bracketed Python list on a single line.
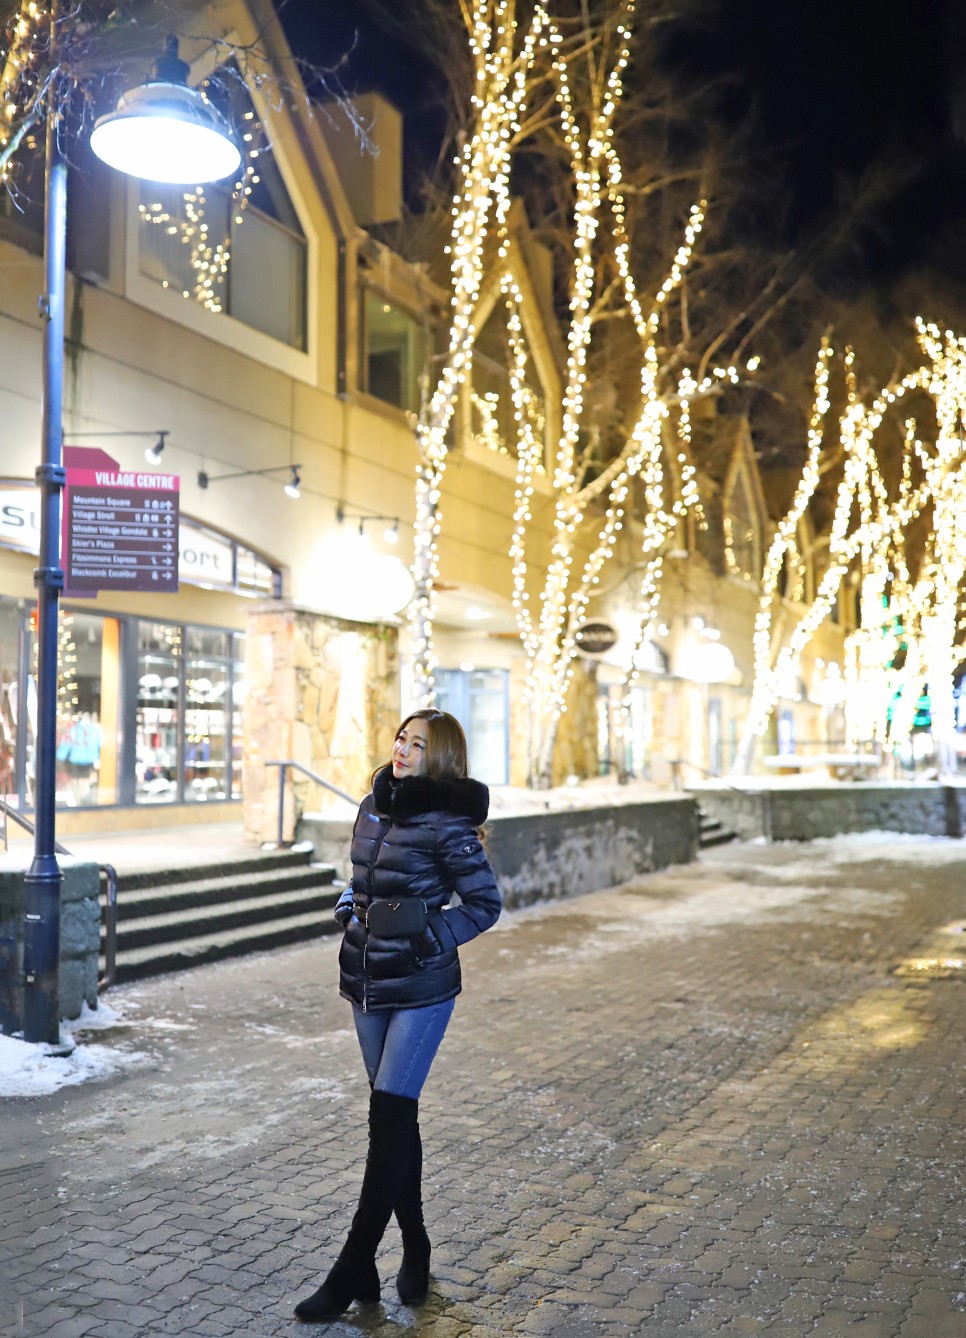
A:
[(20, 519), (120, 527), (206, 558)]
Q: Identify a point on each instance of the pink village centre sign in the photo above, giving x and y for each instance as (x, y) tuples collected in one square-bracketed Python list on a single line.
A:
[(119, 527)]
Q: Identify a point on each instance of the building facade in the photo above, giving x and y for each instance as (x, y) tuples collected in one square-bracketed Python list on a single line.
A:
[(271, 332)]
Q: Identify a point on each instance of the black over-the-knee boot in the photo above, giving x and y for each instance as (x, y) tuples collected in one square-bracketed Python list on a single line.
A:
[(353, 1276), (412, 1280)]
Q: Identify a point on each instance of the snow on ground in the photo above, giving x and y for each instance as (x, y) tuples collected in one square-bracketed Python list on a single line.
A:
[(735, 886), (30, 1070)]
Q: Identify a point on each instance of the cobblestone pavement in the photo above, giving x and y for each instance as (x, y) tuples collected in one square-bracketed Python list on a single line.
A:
[(702, 1103)]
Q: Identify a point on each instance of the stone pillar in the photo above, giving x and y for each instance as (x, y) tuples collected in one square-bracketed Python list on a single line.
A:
[(323, 692), (80, 934)]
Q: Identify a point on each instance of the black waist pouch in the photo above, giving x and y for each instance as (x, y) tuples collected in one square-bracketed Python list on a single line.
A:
[(397, 919)]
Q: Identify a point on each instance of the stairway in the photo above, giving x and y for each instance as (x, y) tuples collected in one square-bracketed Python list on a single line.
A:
[(711, 832), (171, 919)]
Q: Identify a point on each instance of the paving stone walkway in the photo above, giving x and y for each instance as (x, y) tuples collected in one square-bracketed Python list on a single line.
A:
[(699, 1104)]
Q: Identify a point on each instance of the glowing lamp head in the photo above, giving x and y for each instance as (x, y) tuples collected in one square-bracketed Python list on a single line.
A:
[(166, 131)]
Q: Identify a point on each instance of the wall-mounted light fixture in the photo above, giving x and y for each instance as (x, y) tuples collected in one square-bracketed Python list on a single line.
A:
[(291, 488), (152, 453), (390, 534)]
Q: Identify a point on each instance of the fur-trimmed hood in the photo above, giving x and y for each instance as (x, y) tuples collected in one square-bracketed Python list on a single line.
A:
[(406, 798)]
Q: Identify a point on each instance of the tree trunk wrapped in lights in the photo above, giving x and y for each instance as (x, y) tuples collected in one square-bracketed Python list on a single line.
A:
[(501, 69)]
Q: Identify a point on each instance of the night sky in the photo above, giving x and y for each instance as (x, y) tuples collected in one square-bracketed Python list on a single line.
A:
[(831, 88)]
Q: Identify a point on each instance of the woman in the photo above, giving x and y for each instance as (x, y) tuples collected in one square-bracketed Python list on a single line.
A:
[(415, 841)]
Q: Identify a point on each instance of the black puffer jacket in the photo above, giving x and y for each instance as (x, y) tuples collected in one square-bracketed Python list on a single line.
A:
[(415, 837)]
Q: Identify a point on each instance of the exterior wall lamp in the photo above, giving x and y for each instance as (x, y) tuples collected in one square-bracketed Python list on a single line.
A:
[(390, 534), (291, 489), (152, 453)]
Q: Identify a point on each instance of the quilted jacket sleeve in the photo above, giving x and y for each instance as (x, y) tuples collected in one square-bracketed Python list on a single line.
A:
[(343, 907), (466, 869)]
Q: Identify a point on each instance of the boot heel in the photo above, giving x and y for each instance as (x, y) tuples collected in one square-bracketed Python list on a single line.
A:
[(344, 1285), (412, 1280)]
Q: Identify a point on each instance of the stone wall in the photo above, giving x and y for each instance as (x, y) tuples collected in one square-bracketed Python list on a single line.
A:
[(544, 856), (797, 813), (322, 692), (80, 930)]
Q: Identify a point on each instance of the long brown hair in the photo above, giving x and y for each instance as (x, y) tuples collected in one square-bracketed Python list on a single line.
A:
[(446, 754)]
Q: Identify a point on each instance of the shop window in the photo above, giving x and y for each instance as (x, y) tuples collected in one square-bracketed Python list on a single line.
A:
[(206, 756), (207, 641), (238, 694), (623, 741), (12, 713), (394, 352), (241, 250), (188, 686), (255, 577), (158, 713), (479, 698), (87, 715)]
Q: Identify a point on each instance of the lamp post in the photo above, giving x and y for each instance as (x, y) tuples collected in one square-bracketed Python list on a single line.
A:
[(162, 131)]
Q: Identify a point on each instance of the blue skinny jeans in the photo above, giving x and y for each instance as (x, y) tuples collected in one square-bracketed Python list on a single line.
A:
[(399, 1045)]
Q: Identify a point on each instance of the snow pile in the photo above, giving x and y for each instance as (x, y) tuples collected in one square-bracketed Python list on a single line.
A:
[(604, 792), (29, 1070)]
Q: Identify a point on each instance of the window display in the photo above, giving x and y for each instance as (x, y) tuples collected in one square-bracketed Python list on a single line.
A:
[(12, 633), (86, 709), (206, 730), (184, 687), (158, 713), (188, 700)]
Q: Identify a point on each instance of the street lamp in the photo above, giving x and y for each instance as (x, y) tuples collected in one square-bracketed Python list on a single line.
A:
[(162, 131), (166, 131)]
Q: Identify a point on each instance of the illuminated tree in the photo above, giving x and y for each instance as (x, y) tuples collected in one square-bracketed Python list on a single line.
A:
[(861, 527), (644, 478), (502, 59), (909, 630)]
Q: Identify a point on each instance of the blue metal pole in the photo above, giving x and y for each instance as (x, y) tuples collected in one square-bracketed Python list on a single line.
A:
[(42, 883)]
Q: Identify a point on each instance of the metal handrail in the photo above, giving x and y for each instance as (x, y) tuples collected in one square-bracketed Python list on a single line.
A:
[(109, 874), (676, 763), (312, 775)]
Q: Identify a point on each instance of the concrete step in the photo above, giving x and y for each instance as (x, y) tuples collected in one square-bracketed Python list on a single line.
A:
[(161, 898), (711, 832), (136, 963), (709, 839), (250, 861), (197, 921), (170, 918)]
